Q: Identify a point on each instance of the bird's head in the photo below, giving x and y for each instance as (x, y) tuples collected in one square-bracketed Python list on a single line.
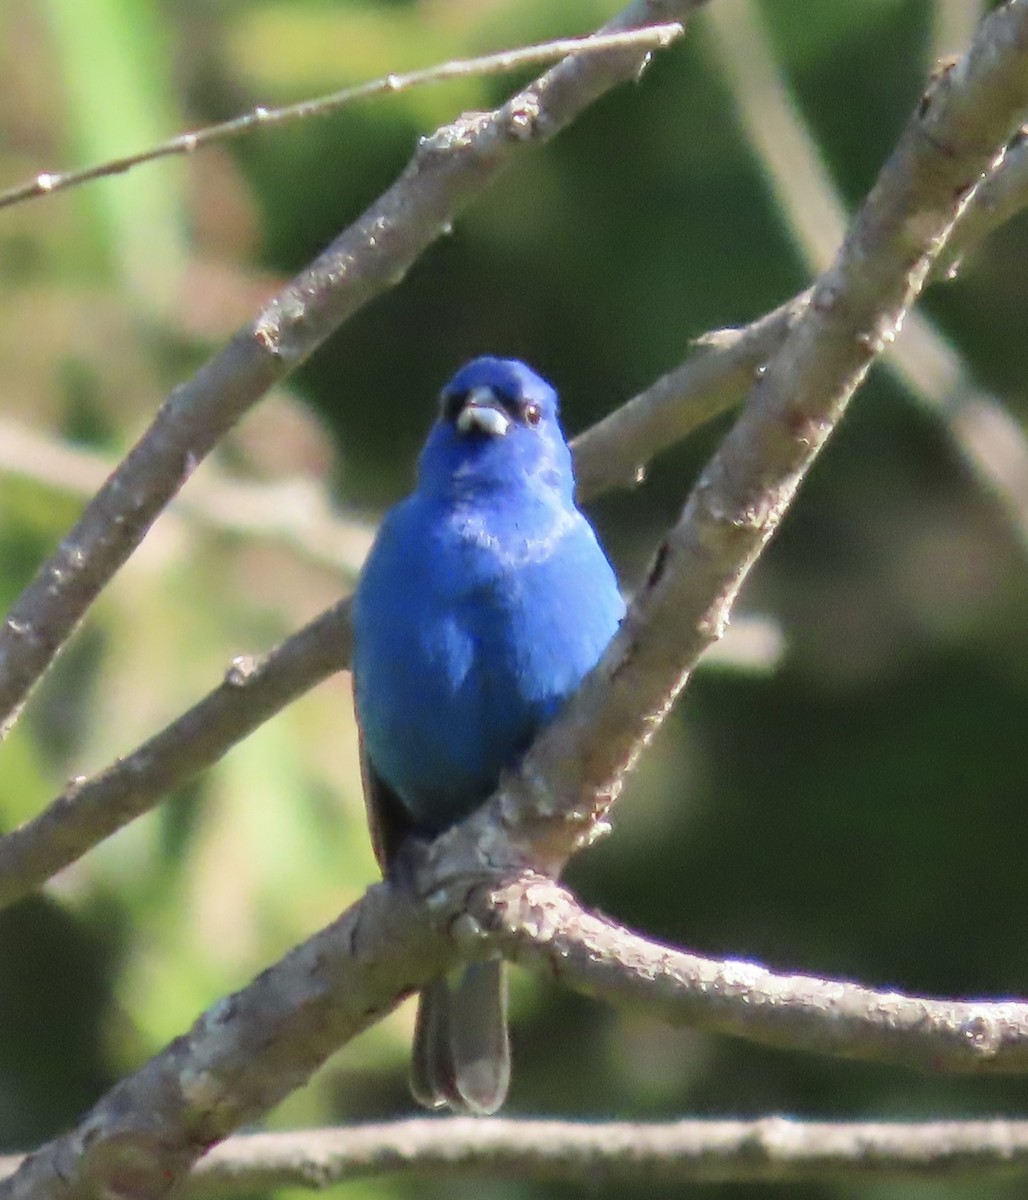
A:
[(498, 427)]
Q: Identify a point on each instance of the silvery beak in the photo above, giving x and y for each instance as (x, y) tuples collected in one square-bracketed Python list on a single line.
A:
[(483, 413)]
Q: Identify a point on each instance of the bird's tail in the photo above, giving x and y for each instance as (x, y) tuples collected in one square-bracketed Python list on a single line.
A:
[(461, 1056)]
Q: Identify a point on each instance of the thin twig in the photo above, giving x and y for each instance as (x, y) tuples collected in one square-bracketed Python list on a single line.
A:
[(615, 451), (766, 1150), (953, 26), (251, 1049), (653, 37), (447, 172), (611, 454)]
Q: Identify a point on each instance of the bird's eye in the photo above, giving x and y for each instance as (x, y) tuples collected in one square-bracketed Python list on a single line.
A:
[(451, 403), (533, 414)]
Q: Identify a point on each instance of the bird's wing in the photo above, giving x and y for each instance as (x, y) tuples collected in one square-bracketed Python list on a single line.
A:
[(388, 820)]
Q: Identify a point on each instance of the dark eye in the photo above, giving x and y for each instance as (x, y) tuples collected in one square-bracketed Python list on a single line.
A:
[(450, 404), (533, 414)]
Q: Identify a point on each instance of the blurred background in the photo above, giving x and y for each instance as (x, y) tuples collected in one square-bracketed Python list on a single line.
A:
[(840, 791)]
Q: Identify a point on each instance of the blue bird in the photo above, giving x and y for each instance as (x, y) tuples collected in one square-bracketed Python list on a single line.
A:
[(485, 600)]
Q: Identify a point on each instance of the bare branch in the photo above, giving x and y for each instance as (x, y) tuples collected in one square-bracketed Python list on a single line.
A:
[(294, 512), (615, 451), (542, 925), (1000, 196), (253, 690), (575, 768), (811, 209), (989, 440), (249, 1050), (91, 809), (953, 26), (653, 37), (447, 172), (241, 1057), (610, 454), (767, 1150)]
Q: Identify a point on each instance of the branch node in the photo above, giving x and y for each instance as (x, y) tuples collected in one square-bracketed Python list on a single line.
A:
[(983, 1036), (241, 670), (459, 136), (524, 117)]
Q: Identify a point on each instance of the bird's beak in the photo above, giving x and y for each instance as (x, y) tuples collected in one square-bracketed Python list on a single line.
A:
[(483, 413)]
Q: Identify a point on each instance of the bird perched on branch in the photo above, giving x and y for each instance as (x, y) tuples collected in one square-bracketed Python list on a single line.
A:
[(485, 600)]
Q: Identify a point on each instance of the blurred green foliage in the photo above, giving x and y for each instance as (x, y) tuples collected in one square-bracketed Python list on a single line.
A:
[(858, 811)]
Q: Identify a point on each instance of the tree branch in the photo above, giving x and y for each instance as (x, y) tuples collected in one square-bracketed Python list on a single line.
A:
[(1000, 196), (88, 810), (574, 770), (247, 1052), (540, 924), (251, 1049), (242, 1056), (616, 450), (767, 1150), (987, 438), (610, 454), (654, 37), (448, 171)]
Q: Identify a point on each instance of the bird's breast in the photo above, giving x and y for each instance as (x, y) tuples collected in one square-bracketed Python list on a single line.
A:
[(464, 653)]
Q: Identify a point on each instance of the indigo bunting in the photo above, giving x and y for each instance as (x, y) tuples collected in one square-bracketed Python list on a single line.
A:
[(485, 600)]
